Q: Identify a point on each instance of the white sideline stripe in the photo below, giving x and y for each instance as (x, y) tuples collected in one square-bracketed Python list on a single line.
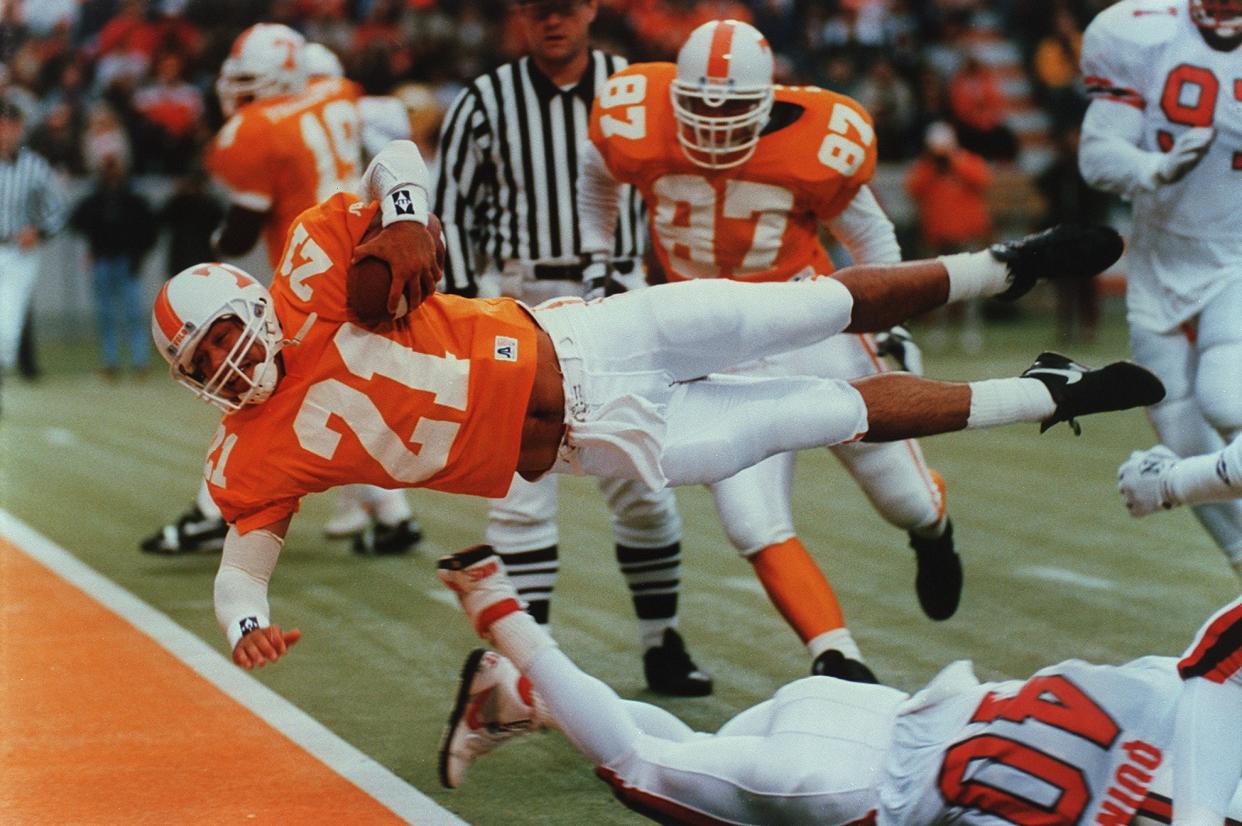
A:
[(1092, 583), (744, 583), (391, 791)]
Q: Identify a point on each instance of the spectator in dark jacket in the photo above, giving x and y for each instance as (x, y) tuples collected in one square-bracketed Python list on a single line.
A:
[(191, 214), (120, 230)]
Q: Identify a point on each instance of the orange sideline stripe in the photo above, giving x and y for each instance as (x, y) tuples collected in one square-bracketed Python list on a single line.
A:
[(102, 723)]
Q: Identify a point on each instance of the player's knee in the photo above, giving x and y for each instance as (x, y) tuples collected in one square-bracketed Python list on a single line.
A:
[(1182, 427), (1216, 387)]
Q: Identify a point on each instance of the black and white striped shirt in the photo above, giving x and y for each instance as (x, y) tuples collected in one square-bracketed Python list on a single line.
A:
[(508, 171), (30, 195)]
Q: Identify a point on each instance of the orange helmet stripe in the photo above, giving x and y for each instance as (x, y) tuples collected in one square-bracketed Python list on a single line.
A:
[(721, 51), (166, 316)]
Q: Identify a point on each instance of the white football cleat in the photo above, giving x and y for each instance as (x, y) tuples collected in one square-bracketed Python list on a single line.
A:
[(494, 704), (477, 575)]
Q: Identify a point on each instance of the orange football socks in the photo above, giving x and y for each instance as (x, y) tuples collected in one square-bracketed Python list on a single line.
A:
[(798, 589)]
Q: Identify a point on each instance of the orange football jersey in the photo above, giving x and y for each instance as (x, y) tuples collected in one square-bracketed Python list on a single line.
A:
[(758, 221), (436, 399), (283, 155)]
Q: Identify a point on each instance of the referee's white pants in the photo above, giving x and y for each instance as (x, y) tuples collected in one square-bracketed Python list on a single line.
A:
[(644, 395), (18, 270)]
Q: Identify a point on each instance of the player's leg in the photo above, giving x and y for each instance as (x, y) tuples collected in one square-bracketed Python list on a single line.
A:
[(756, 772), (522, 528), (349, 513), (394, 530), (200, 528), (1181, 426), (895, 478), (755, 511), (647, 530)]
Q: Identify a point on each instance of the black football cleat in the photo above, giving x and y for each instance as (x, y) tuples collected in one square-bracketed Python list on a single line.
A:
[(1079, 390), (832, 663), (1065, 251), (191, 532), (388, 540), (669, 669), (938, 582)]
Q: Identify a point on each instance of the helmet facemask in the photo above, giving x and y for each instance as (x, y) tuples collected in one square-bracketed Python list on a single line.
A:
[(719, 124), (259, 381)]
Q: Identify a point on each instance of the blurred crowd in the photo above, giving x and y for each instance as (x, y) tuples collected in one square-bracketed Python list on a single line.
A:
[(105, 84), (97, 77)]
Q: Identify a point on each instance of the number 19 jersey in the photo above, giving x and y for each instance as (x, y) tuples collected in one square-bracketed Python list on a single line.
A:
[(758, 221), (435, 399), (286, 154)]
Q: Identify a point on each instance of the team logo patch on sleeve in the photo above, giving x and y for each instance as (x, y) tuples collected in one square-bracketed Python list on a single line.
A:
[(506, 349)]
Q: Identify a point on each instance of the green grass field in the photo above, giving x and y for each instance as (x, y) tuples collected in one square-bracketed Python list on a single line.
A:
[(1054, 566)]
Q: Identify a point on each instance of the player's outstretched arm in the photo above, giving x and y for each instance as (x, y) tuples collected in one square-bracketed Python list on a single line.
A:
[(1156, 479), (240, 596)]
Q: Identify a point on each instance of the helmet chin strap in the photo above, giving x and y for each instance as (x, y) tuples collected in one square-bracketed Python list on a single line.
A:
[(302, 331)]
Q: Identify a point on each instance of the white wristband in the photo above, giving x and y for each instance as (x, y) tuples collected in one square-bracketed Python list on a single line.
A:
[(405, 202), (1197, 479), (242, 626)]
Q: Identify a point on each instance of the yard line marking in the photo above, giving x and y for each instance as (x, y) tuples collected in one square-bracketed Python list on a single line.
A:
[(40, 631), (744, 583), (1067, 577)]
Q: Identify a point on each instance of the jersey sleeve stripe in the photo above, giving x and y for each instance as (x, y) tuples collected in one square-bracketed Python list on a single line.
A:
[(1217, 654), (1102, 88)]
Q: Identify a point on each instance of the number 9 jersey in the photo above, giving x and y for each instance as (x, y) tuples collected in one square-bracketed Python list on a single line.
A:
[(285, 154), (1148, 54), (756, 221)]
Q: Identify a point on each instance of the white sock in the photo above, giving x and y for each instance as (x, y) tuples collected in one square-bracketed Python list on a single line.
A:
[(838, 638), (651, 632), (520, 638), (996, 402), (933, 531), (974, 275)]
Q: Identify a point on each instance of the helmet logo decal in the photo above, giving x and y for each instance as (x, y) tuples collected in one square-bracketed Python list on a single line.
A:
[(212, 269), (721, 52)]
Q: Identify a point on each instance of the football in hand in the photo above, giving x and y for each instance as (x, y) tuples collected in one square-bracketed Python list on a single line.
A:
[(369, 280)]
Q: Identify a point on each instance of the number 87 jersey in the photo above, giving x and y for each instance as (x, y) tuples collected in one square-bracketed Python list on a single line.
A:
[(754, 221)]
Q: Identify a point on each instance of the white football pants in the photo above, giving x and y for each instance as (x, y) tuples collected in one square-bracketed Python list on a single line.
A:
[(19, 269), (641, 401)]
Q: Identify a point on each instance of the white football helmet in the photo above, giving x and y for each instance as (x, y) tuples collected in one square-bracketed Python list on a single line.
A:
[(186, 307), (263, 63), (1224, 17), (722, 94), (319, 61)]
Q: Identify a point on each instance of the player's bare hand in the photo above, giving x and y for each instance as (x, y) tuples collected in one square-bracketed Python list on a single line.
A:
[(413, 254), (264, 645)]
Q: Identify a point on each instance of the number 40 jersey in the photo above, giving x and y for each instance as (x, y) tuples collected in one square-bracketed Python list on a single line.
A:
[(758, 221)]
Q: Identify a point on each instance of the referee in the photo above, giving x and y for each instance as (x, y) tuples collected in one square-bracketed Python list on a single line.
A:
[(508, 178), (32, 207)]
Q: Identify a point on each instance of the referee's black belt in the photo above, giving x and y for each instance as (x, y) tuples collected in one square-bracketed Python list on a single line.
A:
[(573, 272)]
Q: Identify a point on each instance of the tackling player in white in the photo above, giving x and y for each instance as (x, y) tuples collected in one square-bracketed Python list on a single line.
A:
[(1164, 130)]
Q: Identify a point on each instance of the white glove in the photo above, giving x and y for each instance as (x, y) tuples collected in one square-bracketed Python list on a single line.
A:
[(1187, 151), (898, 343), (1143, 480)]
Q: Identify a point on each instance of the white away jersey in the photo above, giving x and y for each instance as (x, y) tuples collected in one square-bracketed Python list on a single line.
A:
[(1149, 55)]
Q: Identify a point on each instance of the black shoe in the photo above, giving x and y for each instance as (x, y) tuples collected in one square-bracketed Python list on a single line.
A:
[(1065, 251), (1078, 390), (669, 669), (387, 540), (191, 532), (832, 663), (938, 582)]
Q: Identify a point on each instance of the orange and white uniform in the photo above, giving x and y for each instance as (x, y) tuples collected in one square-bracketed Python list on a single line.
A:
[(760, 221), (285, 154), (435, 399), (755, 222)]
